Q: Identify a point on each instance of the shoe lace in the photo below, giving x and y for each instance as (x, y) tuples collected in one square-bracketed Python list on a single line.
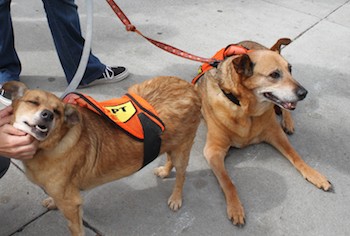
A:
[(109, 73), (2, 91)]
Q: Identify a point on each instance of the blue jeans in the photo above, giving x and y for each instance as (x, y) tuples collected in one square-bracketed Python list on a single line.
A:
[(63, 19), (4, 165)]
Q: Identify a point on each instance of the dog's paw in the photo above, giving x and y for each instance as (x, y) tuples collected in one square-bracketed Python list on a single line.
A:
[(287, 123), (175, 201), (161, 172), (319, 180), (236, 214), (49, 203), (288, 130), (288, 126)]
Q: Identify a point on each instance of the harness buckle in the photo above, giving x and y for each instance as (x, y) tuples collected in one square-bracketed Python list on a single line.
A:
[(215, 63)]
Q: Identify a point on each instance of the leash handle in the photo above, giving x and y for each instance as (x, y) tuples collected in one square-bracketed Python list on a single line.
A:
[(165, 47), (78, 76)]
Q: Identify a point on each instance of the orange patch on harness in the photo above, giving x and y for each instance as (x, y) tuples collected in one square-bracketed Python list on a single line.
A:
[(123, 112)]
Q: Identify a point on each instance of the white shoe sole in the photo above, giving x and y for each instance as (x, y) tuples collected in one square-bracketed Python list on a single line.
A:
[(5, 101), (115, 79)]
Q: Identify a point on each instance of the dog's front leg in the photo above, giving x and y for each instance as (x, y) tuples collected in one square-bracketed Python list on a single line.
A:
[(280, 141), (215, 156), (287, 122), (69, 202)]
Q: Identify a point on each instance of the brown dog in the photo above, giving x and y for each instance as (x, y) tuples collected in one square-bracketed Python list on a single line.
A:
[(80, 150), (238, 100)]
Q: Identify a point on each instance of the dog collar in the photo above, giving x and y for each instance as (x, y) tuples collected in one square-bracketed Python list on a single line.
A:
[(232, 98)]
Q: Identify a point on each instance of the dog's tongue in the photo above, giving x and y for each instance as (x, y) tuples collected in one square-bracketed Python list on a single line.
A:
[(289, 105)]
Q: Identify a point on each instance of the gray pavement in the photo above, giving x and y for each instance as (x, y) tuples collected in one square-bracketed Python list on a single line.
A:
[(277, 200)]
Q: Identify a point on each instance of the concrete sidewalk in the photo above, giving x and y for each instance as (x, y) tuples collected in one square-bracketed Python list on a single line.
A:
[(277, 200)]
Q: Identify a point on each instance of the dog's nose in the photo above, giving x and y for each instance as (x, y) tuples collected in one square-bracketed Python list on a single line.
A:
[(46, 115), (301, 93)]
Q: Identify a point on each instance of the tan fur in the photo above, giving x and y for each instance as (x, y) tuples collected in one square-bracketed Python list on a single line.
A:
[(250, 78), (83, 150)]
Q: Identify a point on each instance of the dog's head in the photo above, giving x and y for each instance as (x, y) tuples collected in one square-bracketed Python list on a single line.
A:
[(268, 75), (40, 114)]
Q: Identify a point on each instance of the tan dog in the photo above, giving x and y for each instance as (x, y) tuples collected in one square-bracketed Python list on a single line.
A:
[(79, 150), (238, 100)]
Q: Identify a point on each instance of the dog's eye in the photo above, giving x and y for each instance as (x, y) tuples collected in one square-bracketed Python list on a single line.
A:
[(290, 68), (275, 75), (57, 112), (36, 103)]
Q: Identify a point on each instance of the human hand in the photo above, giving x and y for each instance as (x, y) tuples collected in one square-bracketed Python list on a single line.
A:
[(7, 111), (13, 142)]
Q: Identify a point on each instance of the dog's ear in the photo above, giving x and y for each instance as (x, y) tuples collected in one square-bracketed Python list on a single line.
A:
[(243, 65), (281, 42), (15, 88), (71, 115)]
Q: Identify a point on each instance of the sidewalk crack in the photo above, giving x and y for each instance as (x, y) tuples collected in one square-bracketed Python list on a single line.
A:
[(319, 21), (28, 223)]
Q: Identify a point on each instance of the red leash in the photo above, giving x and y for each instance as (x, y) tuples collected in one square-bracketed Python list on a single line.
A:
[(165, 47)]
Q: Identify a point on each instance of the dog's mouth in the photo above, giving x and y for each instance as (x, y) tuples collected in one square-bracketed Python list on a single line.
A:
[(283, 104), (38, 131), (40, 127)]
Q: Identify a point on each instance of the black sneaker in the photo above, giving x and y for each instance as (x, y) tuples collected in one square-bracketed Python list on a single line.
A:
[(5, 97), (111, 75)]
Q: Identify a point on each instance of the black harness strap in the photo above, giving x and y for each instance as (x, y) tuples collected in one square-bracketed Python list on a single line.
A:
[(152, 141)]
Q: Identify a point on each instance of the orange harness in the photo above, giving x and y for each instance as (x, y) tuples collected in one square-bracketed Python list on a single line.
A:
[(132, 114), (230, 50)]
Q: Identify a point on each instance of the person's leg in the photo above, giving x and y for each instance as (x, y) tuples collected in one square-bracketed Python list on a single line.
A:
[(10, 66), (64, 24), (4, 165)]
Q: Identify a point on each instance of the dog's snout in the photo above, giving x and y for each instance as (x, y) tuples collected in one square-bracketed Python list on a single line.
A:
[(301, 93), (47, 115)]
